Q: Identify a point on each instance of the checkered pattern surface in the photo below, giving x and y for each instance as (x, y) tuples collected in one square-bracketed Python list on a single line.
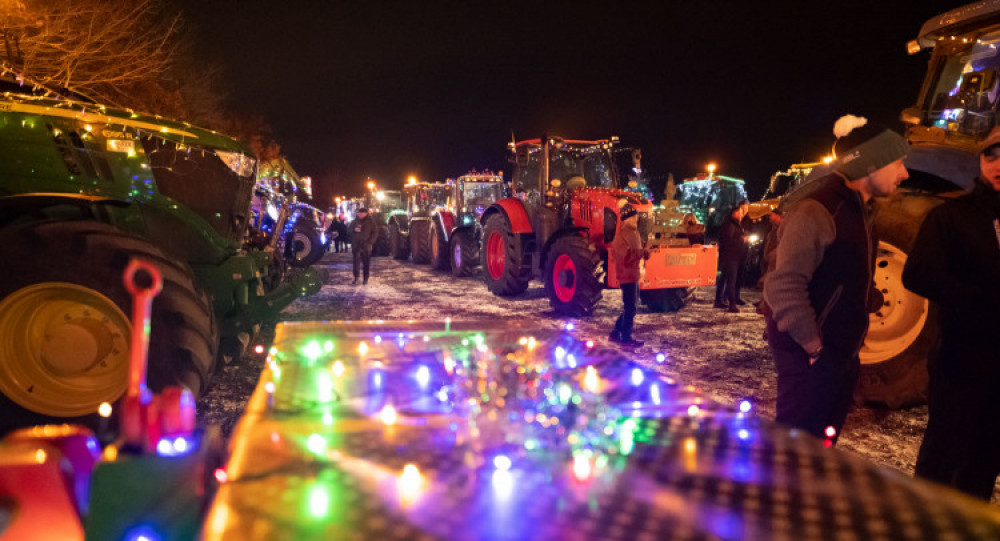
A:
[(311, 470)]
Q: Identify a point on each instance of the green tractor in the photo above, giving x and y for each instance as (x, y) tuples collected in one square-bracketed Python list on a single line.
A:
[(382, 205), (84, 189)]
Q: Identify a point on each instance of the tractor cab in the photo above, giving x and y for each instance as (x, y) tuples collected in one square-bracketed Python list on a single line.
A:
[(475, 192), (710, 197), (423, 198), (543, 171)]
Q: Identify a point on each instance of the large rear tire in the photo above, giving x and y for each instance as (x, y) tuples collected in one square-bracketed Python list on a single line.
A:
[(904, 331), (306, 245), (64, 333), (420, 241), (665, 300), (381, 246), (440, 253), (502, 258), (571, 276), (464, 253), (399, 245)]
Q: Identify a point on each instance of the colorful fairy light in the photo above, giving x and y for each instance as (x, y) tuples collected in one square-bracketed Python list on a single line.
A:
[(388, 415), (661, 358), (745, 406)]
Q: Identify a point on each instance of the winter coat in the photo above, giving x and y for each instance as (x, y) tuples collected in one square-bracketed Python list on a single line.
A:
[(819, 287), (627, 251), (363, 232), (732, 247), (955, 263)]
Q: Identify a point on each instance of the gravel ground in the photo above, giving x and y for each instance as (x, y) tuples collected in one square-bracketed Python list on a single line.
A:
[(721, 353)]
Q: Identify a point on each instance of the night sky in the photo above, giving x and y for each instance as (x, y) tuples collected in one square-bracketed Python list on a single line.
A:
[(386, 89)]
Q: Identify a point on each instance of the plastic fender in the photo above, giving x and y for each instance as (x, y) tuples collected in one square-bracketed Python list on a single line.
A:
[(446, 220), (513, 209), (679, 266)]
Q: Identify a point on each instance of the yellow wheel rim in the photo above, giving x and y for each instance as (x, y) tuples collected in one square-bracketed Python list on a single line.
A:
[(902, 317), (64, 349)]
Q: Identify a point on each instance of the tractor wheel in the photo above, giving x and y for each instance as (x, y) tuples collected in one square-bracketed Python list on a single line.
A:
[(571, 280), (420, 241), (307, 246), (665, 300), (440, 253), (502, 257), (399, 245), (64, 322), (381, 247), (903, 332), (464, 253)]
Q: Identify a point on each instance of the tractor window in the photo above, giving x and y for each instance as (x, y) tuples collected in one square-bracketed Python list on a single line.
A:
[(965, 97), (480, 195), (594, 167), (203, 182)]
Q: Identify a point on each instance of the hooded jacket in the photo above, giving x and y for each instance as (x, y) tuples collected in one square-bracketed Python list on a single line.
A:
[(627, 250)]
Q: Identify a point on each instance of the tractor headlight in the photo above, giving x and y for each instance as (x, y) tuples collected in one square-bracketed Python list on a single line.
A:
[(237, 162)]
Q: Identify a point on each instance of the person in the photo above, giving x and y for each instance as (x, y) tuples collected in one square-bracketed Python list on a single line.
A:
[(816, 296), (693, 230), (363, 234), (342, 235), (955, 263), (732, 252), (627, 250), (770, 242)]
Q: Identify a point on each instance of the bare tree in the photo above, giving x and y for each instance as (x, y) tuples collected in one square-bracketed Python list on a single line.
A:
[(126, 53)]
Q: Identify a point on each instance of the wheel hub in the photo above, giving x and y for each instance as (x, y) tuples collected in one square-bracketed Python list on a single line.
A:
[(67, 347), (894, 327), (495, 255), (73, 347), (564, 278)]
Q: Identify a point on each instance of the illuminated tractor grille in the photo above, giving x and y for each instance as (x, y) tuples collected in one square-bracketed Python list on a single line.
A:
[(645, 225)]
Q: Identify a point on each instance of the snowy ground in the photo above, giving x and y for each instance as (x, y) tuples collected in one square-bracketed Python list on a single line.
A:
[(723, 354)]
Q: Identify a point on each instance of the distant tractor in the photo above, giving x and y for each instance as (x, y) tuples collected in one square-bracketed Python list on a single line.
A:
[(560, 221), (710, 197), (409, 232), (455, 232), (382, 206)]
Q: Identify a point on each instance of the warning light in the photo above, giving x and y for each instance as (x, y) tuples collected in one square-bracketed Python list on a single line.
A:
[(258, 349)]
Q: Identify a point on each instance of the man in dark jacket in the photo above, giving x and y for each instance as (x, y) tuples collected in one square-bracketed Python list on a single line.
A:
[(955, 263), (627, 251), (732, 252), (363, 234), (816, 296)]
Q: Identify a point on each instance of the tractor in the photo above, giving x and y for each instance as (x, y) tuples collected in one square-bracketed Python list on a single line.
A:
[(84, 189), (409, 232), (382, 206), (559, 222), (455, 233)]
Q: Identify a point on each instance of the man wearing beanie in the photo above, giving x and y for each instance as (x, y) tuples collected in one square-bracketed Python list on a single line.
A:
[(363, 235), (732, 252), (817, 293), (627, 251), (955, 263)]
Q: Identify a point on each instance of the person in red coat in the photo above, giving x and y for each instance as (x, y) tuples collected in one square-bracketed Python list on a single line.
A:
[(627, 250)]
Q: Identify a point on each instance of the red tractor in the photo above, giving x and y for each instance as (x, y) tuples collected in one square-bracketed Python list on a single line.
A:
[(560, 221)]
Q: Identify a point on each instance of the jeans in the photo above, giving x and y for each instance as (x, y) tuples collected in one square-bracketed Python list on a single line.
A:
[(624, 324)]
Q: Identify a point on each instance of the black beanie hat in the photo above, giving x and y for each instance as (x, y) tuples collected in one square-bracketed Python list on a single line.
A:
[(628, 211), (863, 148)]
